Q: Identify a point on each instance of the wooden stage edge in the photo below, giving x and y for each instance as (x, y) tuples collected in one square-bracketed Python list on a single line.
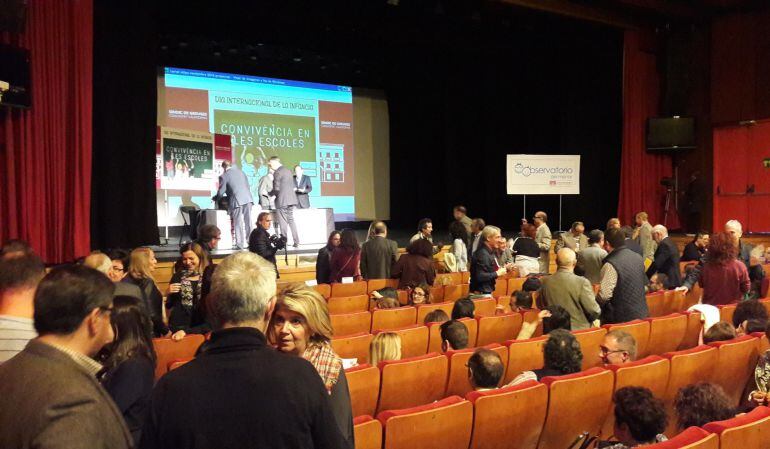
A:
[(299, 266)]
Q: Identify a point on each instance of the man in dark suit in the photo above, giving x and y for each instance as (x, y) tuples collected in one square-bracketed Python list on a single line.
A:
[(285, 198), (666, 259), (378, 254), (303, 188), (484, 267), (50, 394), (259, 240), (254, 396), (234, 183), (631, 244)]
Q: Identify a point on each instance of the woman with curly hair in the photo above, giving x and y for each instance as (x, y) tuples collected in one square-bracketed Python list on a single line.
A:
[(701, 403), (724, 278), (562, 355), (416, 266), (640, 419)]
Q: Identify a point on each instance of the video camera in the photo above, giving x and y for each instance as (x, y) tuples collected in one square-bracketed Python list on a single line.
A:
[(278, 241)]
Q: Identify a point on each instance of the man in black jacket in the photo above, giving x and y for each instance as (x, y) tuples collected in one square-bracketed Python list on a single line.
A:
[(259, 240), (484, 267), (239, 392), (696, 249), (666, 258)]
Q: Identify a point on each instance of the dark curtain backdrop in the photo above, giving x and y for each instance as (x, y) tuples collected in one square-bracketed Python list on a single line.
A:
[(458, 108), (124, 213), (641, 172), (45, 151)]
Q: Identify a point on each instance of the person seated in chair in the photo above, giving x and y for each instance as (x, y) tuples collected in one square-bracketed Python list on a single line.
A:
[(617, 348), (561, 355), (463, 308), (658, 283), (454, 335), (640, 419), (485, 369)]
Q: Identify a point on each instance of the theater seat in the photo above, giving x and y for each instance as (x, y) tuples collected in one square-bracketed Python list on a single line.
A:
[(351, 323), (666, 333), (640, 329), (484, 307), (762, 344), (465, 290), (736, 361), (751, 430), (692, 334), (466, 277), (367, 432), (675, 301), (514, 285), (324, 289), (383, 319), (688, 366), (510, 417), (437, 294), (351, 289), (498, 328), (690, 438), (650, 372), (445, 424), (577, 403), (452, 293), (434, 337), (414, 339), (348, 304), (529, 316), (412, 381), (726, 312), (590, 340), (425, 309), (501, 287), (376, 284), (524, 355), (458, 382), (656, 303), (177, 363), (168, 350), (504, 302), (354, 346), (473, 330), (364, 387)]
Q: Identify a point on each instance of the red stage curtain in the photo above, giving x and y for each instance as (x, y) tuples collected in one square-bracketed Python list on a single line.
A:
[(641, 172), (45, 152)]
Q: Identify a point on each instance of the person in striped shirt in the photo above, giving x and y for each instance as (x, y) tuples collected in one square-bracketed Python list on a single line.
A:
[(19, 277)]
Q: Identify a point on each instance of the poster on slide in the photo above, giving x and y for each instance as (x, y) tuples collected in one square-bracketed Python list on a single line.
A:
[(187, 159), (540, 174)]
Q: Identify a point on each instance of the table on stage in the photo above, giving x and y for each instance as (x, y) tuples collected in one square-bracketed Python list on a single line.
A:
[(313, 225)]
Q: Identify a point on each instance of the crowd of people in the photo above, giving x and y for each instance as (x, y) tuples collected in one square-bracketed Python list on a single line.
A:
[(76, 344)]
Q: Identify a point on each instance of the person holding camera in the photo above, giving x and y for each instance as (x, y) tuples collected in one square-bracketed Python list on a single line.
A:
[(264, 244)]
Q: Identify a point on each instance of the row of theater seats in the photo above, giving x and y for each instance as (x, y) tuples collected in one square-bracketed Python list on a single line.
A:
[(549, 414)]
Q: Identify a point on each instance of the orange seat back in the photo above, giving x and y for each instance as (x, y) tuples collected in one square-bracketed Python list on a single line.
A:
[(656, 303), (485, 306), (504, 302), (666, 333), (453, 292), (762, 343), (458, 382), (640, 329), (412, 381), (348, 304), (434, 337), (736, 361), (414, 339), (498, 328), (751, 430), (364, 387), (688, 366), (351, 323), (445, 424), (590, 340), (514, 284), (530, 316), (168, 350), (473, 330), (425, 309), (497, 412), (466, 276), (576, 403), (177, 363), (676, 302), (324, 289), (383, 319), (524, 355), (354, 346), (375, 284), (501, 287), (692, 334), (351, 289), (437, 294), (726, 312), (367, 432)]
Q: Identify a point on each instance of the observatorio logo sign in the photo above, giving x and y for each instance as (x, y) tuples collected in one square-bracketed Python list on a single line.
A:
[(527, 170)]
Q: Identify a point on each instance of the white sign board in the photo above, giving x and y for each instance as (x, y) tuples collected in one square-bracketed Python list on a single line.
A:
[(538, 174)]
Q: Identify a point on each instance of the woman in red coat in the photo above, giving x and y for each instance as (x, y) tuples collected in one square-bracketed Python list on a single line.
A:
[(346, 258)]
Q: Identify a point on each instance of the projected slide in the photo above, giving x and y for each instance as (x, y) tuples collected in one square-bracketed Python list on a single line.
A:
[(303, 123)]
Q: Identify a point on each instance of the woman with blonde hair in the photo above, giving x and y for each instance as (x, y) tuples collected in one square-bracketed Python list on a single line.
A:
[(384, 346), (141, 267), (301, 326)]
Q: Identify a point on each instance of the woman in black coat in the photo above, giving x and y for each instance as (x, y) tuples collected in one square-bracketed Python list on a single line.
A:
[(323, 268)]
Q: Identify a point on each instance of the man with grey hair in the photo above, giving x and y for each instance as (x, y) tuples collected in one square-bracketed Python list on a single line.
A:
[(254, 396), (666, 258), (572, 292), (617, 348), (101, 263), (575, 239), (484, 267)]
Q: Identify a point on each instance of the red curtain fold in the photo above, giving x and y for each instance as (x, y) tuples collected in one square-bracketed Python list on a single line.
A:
[(45, 151), (641, 172)]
